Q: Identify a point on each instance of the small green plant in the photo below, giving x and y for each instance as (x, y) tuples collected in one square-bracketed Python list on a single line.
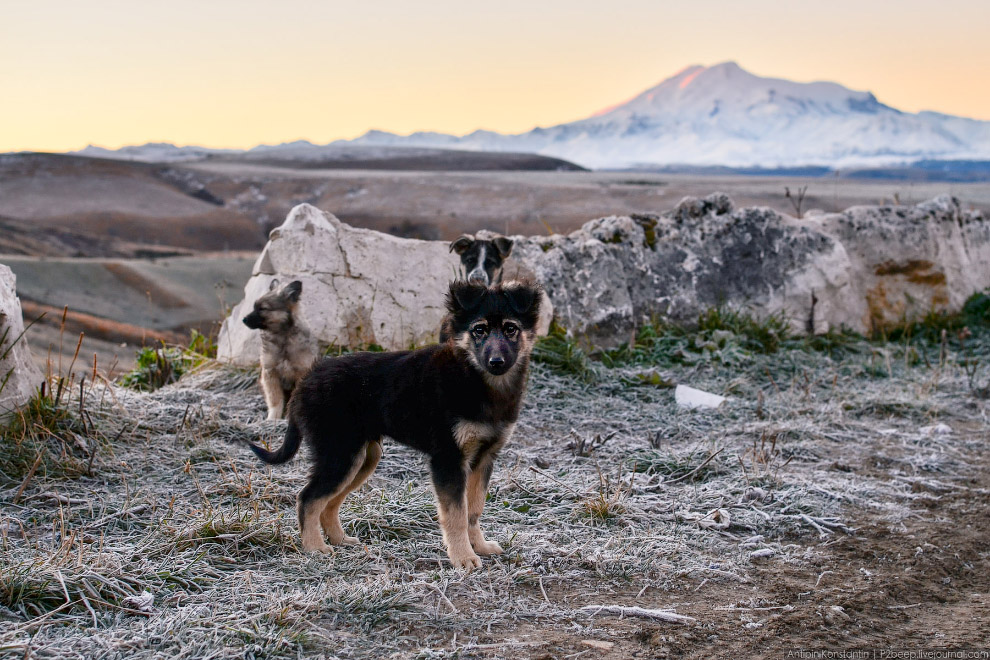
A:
[(158, 366), (720, 336), (334, 350), (695, 466), (563, 354)]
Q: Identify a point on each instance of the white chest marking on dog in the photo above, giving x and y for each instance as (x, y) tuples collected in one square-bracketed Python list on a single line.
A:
[(468, 435)]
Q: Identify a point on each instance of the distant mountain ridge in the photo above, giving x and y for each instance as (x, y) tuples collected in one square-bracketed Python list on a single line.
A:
[(703, 116)]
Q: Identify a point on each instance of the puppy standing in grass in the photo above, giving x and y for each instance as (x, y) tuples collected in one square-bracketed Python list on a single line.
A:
[(288, 349), (457, 402)]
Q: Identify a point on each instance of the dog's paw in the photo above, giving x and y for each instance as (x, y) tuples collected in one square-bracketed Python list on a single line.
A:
[(321, 547), (466, 561), (488, 548), (345, 540)]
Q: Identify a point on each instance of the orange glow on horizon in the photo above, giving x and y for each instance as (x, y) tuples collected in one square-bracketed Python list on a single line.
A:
[(235, 74)]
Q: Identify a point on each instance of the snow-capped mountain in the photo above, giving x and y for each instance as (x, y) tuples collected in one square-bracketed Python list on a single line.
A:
[(724, 115), (153, 152), (718, 115)]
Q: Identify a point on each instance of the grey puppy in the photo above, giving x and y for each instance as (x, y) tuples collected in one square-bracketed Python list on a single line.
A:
[(288, 348)]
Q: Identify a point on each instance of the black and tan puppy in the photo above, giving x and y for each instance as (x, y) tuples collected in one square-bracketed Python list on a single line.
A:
[(288, 349), (457, 402)]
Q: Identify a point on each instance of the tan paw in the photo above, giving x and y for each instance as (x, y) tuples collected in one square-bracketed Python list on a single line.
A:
[(345, 540), (487, 548), (467, 561), (316, 547)]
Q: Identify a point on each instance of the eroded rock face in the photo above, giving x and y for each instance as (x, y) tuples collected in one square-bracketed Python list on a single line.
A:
[(862, 269), (21, 374), (615, 273), (906, 261), (359, 286)]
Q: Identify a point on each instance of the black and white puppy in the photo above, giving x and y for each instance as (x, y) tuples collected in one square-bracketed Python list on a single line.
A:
[(457, 402), (482, 259)]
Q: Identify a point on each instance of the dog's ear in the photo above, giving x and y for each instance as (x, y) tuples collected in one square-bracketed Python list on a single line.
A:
[(503, 245), (293, 290), (462, 243), (523, 297), (273, 284), (465, 296)]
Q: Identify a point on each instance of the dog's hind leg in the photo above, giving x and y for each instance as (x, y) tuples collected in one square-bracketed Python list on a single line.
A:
[(328, 480), (330, 518), (477, 489), (449, 482)]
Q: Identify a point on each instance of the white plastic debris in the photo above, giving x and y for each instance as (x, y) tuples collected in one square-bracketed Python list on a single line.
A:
[(688, 397), (762, 553), (143, 602), (937, 429)]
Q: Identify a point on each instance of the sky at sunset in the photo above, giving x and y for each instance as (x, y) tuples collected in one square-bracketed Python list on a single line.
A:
[(221, 73)]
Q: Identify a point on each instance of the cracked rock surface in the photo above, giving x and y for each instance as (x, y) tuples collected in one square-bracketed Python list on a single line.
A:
[(863, 269)]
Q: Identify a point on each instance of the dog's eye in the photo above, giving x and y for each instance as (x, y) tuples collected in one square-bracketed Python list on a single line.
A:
[(510, 330), (479, 331)]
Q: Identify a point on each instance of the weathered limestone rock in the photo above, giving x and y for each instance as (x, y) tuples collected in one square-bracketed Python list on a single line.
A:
[(359, 286), (906, 261), (862, 269), (21, 375)]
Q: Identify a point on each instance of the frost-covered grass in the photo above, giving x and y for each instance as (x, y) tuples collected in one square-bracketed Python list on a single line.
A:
[(178, 543)]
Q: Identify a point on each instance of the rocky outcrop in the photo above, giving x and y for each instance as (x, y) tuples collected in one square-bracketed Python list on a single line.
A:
[(359, 286), (19, 377), (863, 269)]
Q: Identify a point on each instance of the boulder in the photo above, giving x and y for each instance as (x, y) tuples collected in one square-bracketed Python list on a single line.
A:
[(867, 268), (618, 272), (19, 376), (359, 286), (906, 261), (864, 269)]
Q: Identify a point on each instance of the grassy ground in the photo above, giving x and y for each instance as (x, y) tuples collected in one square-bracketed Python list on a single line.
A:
[(837, 499)]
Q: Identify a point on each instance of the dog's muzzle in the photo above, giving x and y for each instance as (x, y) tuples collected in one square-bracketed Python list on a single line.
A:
[(253, 320), (478, 276)]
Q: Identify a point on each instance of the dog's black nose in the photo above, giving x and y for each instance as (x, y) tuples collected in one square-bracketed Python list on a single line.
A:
[(496, 361)]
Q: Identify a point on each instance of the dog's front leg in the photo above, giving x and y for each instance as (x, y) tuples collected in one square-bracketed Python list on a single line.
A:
[(477, 489), (271, 385), (449, 482)]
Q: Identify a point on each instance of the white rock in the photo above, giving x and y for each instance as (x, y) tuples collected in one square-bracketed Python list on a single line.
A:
[(359, 286), (937, 429), (863, 269), (20, 372), (688, 397)]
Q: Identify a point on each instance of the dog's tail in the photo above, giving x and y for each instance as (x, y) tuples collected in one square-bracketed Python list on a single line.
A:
[(288, 449)]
